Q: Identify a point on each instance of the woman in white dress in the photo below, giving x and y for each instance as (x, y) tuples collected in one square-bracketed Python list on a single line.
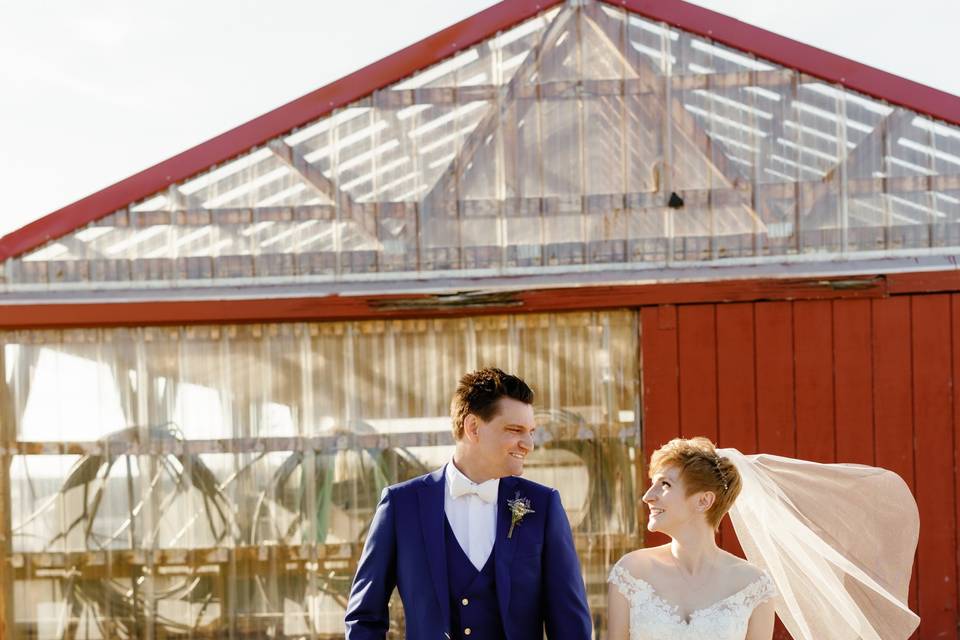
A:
[(689, 588), (830, 550)]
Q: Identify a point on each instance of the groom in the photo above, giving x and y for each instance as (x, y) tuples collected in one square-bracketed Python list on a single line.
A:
[(476, 552)]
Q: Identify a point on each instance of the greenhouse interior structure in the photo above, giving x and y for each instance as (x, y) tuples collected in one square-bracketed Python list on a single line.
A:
[(667, 221)]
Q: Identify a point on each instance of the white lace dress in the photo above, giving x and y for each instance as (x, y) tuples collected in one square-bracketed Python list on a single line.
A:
[(653, 618)]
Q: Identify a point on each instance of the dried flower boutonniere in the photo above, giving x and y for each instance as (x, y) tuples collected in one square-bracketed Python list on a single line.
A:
[(519, 507)]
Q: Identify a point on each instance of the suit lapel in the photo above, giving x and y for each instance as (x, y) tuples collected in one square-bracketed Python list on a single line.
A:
[(431, 524), (504, 547)]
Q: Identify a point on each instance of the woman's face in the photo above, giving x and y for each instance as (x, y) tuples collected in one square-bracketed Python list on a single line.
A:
[(670, 508)]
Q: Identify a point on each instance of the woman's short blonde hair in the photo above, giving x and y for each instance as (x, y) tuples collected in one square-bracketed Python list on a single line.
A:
[(701, 469)]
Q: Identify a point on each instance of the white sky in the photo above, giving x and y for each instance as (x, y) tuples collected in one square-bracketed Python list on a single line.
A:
[(94, 91)]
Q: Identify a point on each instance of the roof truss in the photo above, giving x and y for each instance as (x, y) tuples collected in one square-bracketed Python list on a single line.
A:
[(572, 126)]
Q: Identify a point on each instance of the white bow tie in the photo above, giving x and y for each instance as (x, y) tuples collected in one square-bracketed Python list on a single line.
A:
[(461, 486)]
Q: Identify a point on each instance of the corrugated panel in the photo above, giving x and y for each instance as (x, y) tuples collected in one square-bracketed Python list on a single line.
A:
[(583, 137), (220, 480)]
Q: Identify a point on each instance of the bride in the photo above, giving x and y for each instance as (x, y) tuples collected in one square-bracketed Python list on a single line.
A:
[(830, 549)]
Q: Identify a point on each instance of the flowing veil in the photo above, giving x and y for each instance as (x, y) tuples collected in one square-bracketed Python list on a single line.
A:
[(837, 539)]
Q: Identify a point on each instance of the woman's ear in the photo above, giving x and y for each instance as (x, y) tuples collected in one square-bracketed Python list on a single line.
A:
[(705, 500)]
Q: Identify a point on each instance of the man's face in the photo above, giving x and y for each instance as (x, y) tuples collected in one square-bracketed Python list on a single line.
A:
[(500, 446)]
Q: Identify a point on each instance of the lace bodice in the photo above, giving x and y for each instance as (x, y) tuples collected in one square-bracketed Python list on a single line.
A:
[(653, 618)]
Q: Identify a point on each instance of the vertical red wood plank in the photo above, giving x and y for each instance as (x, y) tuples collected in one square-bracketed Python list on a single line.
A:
[(893, 397), (853, 381), (660, 374), (892, 379), (935, 488), (813, 354), (776, 408), (736, 398), (661, 394), (955, 370), (697, 351), (776, 426), (776, 413)]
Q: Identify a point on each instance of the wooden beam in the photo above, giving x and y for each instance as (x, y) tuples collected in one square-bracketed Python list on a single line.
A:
[(454, 96), (227, 268), (8, 431), (292, 157), (181, 200), (440, 192), (889, 127), (294, 214), (683, 121), (923, 282), (242, 561), (310, 174), (879, 138), (319, 444)]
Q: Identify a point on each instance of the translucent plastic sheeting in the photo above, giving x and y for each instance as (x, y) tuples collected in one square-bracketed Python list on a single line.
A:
[(218, 481), (553, 145)]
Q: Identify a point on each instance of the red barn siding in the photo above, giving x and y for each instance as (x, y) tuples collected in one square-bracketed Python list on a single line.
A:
[(659, 375), (935, 476), (697, 351), (736, 389), (813, 391), (776, 409), (853, 381), (893, 396), (865, 381)]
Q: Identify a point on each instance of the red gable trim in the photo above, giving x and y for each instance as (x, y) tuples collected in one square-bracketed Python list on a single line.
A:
[(802, 57), (435, 48), (312, 106), (393, 306)]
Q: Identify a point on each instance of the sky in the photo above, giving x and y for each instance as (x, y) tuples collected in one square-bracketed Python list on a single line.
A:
[(92, 92)]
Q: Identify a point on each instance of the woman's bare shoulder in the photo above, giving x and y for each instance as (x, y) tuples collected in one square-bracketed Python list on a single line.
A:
[(640, 561), (741, 569)]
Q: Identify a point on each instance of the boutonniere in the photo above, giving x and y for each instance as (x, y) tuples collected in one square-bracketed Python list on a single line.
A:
[(519, 507)]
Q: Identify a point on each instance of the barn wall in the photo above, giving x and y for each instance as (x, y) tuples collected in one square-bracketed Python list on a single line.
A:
[(865, 381)]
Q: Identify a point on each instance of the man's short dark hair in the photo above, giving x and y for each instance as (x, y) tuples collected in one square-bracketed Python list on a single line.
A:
[(479, 393)]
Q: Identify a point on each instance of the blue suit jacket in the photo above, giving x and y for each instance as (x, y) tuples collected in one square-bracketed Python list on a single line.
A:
[(539, 586)]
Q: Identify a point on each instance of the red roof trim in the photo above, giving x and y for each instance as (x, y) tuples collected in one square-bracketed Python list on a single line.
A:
[(316, 104), (394, 306), (466, 33), (390, 306), (796, 55)]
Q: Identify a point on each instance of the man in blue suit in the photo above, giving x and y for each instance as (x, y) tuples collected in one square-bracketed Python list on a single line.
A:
[(476, 552)]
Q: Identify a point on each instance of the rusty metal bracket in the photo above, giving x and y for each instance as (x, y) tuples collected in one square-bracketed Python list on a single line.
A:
[(456, 300)]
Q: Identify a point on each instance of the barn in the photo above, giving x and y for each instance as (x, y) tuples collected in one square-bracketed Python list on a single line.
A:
[(668, 221)]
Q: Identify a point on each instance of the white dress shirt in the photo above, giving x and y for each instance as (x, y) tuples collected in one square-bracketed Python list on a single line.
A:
[(471, 510)]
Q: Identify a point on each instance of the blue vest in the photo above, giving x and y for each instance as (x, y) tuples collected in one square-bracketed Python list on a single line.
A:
[(473, 594)]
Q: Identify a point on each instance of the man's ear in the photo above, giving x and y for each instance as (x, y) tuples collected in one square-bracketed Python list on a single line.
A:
[(471, 428)]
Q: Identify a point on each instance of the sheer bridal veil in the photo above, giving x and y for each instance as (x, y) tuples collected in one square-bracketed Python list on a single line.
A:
[(837, 539)]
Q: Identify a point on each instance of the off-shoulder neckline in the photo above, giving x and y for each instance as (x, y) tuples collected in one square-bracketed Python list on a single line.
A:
[(696, 612)]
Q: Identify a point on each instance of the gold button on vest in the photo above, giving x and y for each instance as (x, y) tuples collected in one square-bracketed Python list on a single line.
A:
[(464, 602)]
